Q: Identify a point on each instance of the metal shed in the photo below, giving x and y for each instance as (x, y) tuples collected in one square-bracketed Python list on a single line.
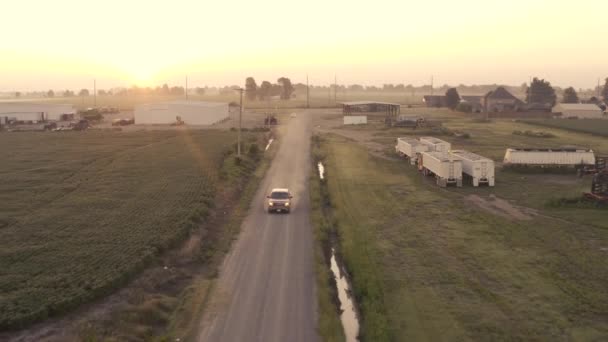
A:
[(189, 112), (31, 111), (578, 110), (392, 110)]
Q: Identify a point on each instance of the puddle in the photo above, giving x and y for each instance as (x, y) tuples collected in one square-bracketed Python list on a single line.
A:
[(349, 319), (321, 170), (268, 146)]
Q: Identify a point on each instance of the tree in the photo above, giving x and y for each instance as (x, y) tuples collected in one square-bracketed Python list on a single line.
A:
[(165, 89), (540, 91), (452, 98), (18, 94), (287, 90), (570, 96), (264, 90), (50, 93), (177, 90), (199, 91), (83, 92), (605, 91), (68, 93), (251, 88), (102, 92)]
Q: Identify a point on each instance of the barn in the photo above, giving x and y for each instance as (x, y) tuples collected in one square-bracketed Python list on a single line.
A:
[(29, 111), (578, 110), (188, 112)]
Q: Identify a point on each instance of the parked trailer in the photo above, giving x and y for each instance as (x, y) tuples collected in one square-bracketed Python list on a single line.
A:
[(436, 145), (549, 157), (481, 169), (446, 168), (410, 148)]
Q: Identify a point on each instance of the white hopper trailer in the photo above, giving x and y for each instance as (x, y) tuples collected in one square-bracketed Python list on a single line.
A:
[(436, 145), (446, 168), (410, 148), (479, 168), (549, 157)]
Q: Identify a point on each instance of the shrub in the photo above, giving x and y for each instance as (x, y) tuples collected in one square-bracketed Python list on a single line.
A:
[(254, 150), (464, 107)]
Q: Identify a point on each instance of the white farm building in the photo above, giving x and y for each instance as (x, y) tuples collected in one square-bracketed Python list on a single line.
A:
[(28, 111), (190, 112), (578, 110)]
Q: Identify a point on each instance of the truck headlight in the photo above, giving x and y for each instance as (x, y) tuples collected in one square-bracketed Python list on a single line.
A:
[(287, 204), (270, 204)]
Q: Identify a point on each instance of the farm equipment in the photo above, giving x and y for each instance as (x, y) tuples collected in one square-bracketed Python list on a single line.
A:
[(123, 122), (599, 184), (270, 120), (410, 122), (81, 125)]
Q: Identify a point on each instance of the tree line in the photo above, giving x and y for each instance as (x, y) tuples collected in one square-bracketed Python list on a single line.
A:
[(283, 88), (540, 92)]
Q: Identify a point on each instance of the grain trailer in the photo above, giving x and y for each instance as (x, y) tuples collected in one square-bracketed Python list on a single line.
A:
[(479, 168), (446, 168), (410, 148), (549, 157), (436, 145)]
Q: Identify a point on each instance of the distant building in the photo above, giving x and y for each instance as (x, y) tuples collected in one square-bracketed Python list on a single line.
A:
[(35, 112), (578, 110), (501, 100), (475, 101), (435, 101), (188, 112)]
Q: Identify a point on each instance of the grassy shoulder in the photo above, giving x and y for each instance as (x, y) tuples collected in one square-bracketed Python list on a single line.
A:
[(426, 264), (329, 325)]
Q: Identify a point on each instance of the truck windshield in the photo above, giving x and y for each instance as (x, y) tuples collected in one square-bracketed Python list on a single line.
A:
[(279, 195)]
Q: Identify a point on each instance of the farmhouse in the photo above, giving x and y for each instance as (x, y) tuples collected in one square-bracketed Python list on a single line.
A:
[(28, 111), (501, 100), (188, 112), (578, 110)]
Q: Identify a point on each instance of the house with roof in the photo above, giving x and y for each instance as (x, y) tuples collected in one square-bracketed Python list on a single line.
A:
[(578, 110), (501, 100)]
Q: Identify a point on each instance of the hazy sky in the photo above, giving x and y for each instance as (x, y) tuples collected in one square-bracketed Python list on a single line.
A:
[(65, 44)]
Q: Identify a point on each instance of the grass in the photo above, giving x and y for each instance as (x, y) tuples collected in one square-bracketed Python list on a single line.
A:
[(82, 213), (428, 265), (329, 324), (593, 126)]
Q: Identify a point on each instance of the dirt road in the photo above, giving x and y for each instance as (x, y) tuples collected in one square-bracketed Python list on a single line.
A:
[(266, 288)]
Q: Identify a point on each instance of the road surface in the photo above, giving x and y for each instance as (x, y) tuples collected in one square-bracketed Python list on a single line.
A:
[(266, 288)]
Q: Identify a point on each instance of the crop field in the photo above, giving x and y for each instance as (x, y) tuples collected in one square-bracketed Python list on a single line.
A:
[(430, 265), (593, 126), (82, 212), (317, 99)]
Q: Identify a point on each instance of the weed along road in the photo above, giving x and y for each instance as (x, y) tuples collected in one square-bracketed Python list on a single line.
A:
[(266, 286)]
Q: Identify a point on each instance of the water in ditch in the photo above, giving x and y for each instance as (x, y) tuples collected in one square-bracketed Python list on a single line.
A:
[(349, 318)]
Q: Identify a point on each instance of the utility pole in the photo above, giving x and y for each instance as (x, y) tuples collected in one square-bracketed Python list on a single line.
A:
[(431, 85), (238, 139), (335, 90), (186, 91), (598, 88), (307, 93), (95, 93)]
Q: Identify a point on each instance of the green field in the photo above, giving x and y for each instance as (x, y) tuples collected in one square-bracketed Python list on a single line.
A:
[(430, 264), (593, 126), (83, 212)]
